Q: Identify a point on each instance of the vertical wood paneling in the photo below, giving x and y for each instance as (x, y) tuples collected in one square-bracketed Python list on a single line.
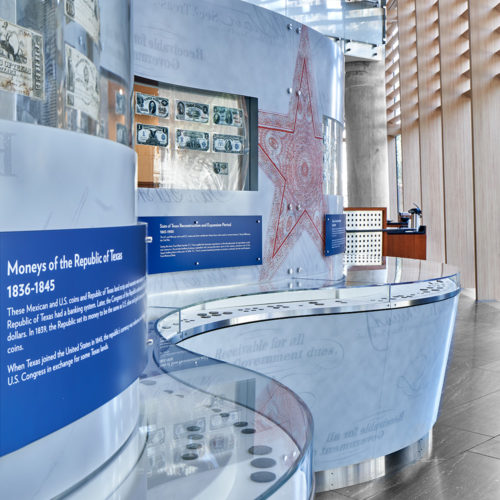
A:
[(410, 143), (457, 138), (392, 209), (393, 103), (431, 151), (485, 43), (449, 74), (393, 96)]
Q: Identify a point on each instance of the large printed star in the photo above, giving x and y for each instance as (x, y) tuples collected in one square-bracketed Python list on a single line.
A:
[(291, 154)]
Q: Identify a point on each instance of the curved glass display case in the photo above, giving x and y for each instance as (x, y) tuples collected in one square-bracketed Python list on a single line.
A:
[(368, 355), (364, 359)]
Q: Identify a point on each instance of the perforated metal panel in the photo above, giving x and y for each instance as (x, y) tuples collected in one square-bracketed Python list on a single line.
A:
[(364, 219), (364, 248)]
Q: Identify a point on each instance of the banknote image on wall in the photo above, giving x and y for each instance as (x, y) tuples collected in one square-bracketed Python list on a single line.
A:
[(194, 139)]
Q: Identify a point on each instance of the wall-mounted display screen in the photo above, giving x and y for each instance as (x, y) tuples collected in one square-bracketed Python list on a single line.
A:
[(194, 139)]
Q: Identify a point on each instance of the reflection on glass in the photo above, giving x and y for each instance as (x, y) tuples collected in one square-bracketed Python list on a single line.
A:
[(361, 21), (193, 139), (67, 65), (332, 157)]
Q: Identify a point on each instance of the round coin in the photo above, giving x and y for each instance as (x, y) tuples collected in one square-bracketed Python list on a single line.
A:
[(262, 477)]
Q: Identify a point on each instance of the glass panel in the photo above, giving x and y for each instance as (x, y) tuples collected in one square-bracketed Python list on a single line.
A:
[(226, 417), (207, 428), (333, 171), (391, 283), (359, 21), (67, 65), (194, 139)]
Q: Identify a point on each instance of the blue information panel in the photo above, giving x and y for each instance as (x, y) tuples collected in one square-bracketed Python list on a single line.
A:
[(187, 243), (72, 325), (335, 235)]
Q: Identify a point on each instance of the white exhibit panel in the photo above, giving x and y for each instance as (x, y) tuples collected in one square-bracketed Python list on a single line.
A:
[(56, 179), (296, 76), (66, 186), (388, 405), (65, 180)]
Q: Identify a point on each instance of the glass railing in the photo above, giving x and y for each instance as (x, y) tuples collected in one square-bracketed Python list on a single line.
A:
[(395, 284), (231, 432)]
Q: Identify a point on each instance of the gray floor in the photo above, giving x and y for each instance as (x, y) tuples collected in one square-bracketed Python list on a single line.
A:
[(465, 462)]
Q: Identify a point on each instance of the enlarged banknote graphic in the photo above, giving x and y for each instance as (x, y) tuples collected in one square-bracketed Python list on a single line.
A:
[(228, 143), (121, 134), (192, 111), (151, 105), (86, 14), (228, 116), (152, 135), (120, 103), (21, 60), (192, 139), (221, 168), (82, 83)]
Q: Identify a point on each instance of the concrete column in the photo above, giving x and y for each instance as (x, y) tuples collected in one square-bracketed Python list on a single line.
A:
[(366, 134)]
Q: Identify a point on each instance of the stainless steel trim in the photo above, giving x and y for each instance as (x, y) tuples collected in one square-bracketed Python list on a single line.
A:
[(317, 311), (369, 470)]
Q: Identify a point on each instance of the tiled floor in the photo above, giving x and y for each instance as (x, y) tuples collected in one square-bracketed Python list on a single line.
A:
[(465, 462)]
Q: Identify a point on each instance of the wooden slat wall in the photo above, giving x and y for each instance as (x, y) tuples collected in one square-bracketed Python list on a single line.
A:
[(449, 83), (485, 69), (457, 137), (393, 100), (392, 212), (431, 147), (393, 103), (408, 77)]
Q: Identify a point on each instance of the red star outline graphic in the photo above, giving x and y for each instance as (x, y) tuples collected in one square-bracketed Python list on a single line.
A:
[(291, 153)]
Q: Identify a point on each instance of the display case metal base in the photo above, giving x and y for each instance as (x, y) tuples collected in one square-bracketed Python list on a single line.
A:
[(374, 468)]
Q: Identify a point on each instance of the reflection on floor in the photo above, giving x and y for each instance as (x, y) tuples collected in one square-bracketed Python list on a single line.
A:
[(465, 462)]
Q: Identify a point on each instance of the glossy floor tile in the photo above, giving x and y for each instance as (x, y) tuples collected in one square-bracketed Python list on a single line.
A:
[(464, 385), (448, 442), (465, 461), (490, 448)]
